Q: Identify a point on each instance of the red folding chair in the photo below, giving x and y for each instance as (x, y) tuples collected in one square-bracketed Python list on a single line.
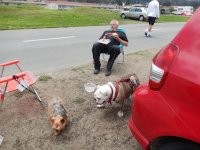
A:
[(19, 81), (14, 62)]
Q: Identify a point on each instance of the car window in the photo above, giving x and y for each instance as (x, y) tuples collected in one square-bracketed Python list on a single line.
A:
[(138, 10), (132, 9)]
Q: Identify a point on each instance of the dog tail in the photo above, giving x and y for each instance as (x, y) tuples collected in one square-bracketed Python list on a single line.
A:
[(134, 80)]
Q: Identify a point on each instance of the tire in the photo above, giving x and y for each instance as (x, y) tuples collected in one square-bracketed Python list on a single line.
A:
[(123, 16), (141, 18), (162, 11), (179, 146)]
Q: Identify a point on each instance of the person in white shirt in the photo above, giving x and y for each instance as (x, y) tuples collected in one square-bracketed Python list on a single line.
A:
[(153, 13)]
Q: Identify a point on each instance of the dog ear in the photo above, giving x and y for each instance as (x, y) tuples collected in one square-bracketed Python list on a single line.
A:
[(62, 121)]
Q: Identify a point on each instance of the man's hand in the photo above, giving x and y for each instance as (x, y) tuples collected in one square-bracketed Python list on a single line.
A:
[(115, 35)]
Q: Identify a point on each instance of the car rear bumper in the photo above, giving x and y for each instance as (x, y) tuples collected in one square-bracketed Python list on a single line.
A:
[(152, 117), (137, 122), (136, 133), (144, 117)]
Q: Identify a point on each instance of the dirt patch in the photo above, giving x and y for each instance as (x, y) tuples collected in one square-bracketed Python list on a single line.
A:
[(24, 123)]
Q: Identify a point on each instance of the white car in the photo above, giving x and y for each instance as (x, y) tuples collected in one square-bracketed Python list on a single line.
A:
[(177, 12), (139, 13)]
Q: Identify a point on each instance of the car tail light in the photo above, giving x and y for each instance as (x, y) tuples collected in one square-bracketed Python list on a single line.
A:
[(160, 66)]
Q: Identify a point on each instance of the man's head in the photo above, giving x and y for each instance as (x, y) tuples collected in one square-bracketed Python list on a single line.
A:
[(114, 25)]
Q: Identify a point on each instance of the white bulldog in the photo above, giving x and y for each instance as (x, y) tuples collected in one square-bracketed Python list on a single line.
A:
[(116, 91)]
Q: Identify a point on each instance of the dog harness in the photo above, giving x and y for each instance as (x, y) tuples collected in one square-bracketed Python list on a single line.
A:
[(115, 89), (114, 92)]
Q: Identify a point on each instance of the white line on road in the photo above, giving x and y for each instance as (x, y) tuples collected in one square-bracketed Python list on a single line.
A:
[(68, 37)]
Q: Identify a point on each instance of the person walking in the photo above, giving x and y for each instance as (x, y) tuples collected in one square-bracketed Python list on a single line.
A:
[(108, 43), (153, 13)]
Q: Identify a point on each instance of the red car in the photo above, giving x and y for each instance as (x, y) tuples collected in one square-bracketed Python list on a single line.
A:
[(166, 110), (186, 13)]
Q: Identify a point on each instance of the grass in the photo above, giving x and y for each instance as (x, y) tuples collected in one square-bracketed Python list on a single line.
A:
[(79, 100), (45, 78), (33, 16), (78, 69), (30, 16), (172, 18), (18, 94)]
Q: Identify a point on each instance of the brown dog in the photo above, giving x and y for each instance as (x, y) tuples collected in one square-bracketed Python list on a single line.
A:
[(117, 91), (58, 117)]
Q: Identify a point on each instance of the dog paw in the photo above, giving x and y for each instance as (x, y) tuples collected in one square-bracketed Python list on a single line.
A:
[(120, 114)]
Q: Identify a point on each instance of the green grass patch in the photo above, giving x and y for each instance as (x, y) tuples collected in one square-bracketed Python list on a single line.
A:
[(18, 94), (78, 69), (33, 16), (172, 18), (45, 78), (79, 100), (25, 16)]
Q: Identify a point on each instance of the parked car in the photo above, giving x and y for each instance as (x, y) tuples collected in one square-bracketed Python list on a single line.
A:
[(177, 12), (166, 110), (187, 14), (139, 13), (165, 11)]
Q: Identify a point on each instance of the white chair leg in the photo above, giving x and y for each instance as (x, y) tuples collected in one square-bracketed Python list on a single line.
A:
[(36, 94)]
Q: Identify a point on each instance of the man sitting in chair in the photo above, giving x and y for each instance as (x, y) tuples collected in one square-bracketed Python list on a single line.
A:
[(109, 43)]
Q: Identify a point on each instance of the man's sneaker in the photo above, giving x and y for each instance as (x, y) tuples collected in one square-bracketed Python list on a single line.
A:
[(145, 33), (148, 34), (96, 71), (108, 72)]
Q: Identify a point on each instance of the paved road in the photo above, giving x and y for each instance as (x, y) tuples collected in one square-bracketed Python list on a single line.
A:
[(48, 50)]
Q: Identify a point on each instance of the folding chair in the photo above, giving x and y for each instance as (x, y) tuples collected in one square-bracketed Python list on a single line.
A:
[(14, 62), (121, 46), (19, 81)]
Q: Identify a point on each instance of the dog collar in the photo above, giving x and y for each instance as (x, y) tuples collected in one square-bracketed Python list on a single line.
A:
[(114, 92)]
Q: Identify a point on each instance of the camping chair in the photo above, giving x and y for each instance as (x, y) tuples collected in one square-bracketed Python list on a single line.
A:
[(121, 46), (20, 81)]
